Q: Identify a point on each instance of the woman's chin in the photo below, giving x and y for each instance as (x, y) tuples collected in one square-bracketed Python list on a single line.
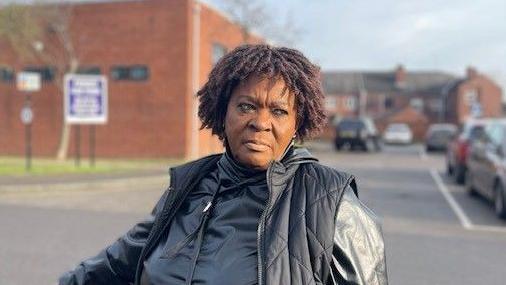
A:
[(255, 160)]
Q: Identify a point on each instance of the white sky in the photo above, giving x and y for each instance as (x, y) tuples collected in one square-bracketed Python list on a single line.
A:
[(379, 34), (446, 35)]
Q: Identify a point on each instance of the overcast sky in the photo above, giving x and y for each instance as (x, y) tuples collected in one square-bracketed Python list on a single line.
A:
[(446, 35)]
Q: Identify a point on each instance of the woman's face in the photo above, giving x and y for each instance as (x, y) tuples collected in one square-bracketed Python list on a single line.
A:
[(260, 122)]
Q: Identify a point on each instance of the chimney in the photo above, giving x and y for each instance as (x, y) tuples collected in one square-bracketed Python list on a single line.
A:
[(400, 76), (471, 72)]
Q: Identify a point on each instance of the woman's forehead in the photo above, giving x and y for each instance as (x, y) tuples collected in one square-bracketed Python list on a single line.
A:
[(271, 86)]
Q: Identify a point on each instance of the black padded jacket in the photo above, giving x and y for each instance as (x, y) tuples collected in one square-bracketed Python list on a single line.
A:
[(314, 230)]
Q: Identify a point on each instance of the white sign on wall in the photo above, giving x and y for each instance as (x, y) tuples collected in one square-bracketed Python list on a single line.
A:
[(85, 100), (28, 81)]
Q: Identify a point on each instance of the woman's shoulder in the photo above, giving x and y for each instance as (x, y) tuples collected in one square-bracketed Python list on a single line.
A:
[(328, 177)]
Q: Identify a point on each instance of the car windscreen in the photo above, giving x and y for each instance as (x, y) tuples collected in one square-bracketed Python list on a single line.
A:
[(398, 128), (350, 125), (442, 134)]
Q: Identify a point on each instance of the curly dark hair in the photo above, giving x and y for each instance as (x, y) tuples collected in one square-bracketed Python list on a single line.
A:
[(301, 77)]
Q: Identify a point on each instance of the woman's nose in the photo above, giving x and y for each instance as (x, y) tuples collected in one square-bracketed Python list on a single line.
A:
[(261, 121)]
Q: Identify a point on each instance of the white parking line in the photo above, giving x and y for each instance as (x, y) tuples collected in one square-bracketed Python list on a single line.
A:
[(464, 220), (461, 215)]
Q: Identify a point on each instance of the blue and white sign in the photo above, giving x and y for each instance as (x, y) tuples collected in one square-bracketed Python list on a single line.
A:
[(85, 99)]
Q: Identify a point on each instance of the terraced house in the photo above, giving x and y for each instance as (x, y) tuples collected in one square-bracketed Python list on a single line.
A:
[(417, 98)]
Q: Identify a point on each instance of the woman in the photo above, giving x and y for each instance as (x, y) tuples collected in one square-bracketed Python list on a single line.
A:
[(263, 212)]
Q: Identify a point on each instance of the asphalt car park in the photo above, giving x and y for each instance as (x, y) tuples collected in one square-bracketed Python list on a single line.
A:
[(435, 233)]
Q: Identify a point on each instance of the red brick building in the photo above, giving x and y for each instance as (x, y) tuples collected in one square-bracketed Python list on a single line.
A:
[(150, 51), (396, 96)]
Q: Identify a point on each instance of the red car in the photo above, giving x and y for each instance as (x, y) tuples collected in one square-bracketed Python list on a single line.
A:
[(458, 149)]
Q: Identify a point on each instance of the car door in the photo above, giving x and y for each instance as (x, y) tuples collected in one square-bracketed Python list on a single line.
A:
[(493, 156), (477, 160)]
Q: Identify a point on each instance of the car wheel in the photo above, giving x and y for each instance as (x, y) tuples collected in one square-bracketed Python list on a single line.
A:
[(369, 145), (449, 169), (499, 206), (377, 145), (338, 146), (469, 184), (460, 174)]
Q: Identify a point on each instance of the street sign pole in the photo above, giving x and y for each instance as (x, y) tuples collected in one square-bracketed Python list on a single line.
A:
[(92, 145), (78, 146), (28, 82), (28, 136)]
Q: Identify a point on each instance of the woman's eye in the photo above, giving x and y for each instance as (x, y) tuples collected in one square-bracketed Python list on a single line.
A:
[(246, 108), (280, 112)]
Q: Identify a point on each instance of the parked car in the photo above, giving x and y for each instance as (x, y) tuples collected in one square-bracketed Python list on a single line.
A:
[(357, 132), (439, 135), (486, 166), (458, 149), (397, 134)]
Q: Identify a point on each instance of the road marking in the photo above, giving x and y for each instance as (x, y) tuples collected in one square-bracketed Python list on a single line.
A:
[(464, 220), (422, 153)]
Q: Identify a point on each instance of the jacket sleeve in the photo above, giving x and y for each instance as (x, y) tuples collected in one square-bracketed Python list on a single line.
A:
[(358, 255), (115, 264)]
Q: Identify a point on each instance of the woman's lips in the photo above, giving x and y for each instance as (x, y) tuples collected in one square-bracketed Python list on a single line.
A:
[(256, 146)]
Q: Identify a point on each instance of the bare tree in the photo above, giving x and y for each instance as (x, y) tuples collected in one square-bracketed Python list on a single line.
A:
[(43, 32), (253, 16)]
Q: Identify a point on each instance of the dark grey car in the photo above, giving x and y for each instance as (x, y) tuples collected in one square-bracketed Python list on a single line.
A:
[(357, 132), (486, 166), (439, 135)]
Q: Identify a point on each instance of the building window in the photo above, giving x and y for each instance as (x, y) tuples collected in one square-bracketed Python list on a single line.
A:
[(417, 104), (89, 70), (131, 72), (350, 103), (47, 73), (436, 105), (6, 74), (218, 52), (470, 97), (389, 103), (330, 102)]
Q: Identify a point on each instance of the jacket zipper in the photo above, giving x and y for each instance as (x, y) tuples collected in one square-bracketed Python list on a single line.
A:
[(198, 242), (261, 226)]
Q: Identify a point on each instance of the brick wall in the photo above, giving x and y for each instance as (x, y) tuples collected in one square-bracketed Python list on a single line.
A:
[(149, 118), (485, 91)]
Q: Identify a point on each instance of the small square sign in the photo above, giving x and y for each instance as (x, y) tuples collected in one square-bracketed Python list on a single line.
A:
[(85, 99)]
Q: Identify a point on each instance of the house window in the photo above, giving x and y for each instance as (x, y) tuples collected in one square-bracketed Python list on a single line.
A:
[(218, 52), (436, 105), (131, 72), (47, 73), (6, 74), (350, 103), (389, 103), (470, 97), (89, 70), (330, 102), (417, 104)]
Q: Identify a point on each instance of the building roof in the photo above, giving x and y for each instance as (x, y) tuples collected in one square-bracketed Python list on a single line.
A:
[(345, 82)]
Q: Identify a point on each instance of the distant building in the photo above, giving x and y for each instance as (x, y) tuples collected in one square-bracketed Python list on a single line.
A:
[(391, 96), (150, 51)]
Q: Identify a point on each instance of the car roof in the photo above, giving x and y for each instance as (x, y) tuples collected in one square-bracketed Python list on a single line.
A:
[(442, 126)]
